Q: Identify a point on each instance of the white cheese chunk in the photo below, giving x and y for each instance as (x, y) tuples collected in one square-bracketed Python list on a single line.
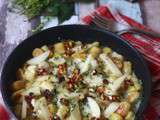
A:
[(94, 108), (57, 61), (94, 81), (109, 65), (85, 66), (41, 109), (30, 72), (39, 59), (111, 109), (46, 85), (117, 83)]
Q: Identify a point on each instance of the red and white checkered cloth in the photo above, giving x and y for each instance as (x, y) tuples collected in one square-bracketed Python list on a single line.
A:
[(150, 50)]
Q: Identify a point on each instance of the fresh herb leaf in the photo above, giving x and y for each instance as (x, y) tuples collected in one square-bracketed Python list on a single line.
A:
[(32, 8), (65, 11)]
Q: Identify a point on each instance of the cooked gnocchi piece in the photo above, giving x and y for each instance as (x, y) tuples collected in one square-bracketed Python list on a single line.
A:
[(36, 52)]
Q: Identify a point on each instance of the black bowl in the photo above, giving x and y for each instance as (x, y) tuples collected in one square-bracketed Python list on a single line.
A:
[(82, 33)]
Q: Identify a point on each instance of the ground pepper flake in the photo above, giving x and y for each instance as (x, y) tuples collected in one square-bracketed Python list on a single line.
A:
[(64, 101), (48, 95), (94, 72), (29, 99), (68, 48), (94, 118), (62, 68), (105, 81), (113, 98), (100, 90), (42, 71), (128, 83), (56, 118)]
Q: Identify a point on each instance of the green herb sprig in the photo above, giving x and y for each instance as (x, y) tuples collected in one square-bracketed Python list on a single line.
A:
[(63, 9)]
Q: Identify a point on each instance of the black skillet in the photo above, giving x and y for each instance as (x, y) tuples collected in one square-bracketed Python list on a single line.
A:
[(85, 34)]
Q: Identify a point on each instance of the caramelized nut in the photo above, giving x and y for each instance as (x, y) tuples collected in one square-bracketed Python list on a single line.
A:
[(123, 108), (100, 90)]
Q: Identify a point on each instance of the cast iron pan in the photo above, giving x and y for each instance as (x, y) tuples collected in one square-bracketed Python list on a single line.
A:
[(85, 34)]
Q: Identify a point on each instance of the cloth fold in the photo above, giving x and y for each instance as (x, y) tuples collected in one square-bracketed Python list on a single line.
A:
[(149, 47)]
